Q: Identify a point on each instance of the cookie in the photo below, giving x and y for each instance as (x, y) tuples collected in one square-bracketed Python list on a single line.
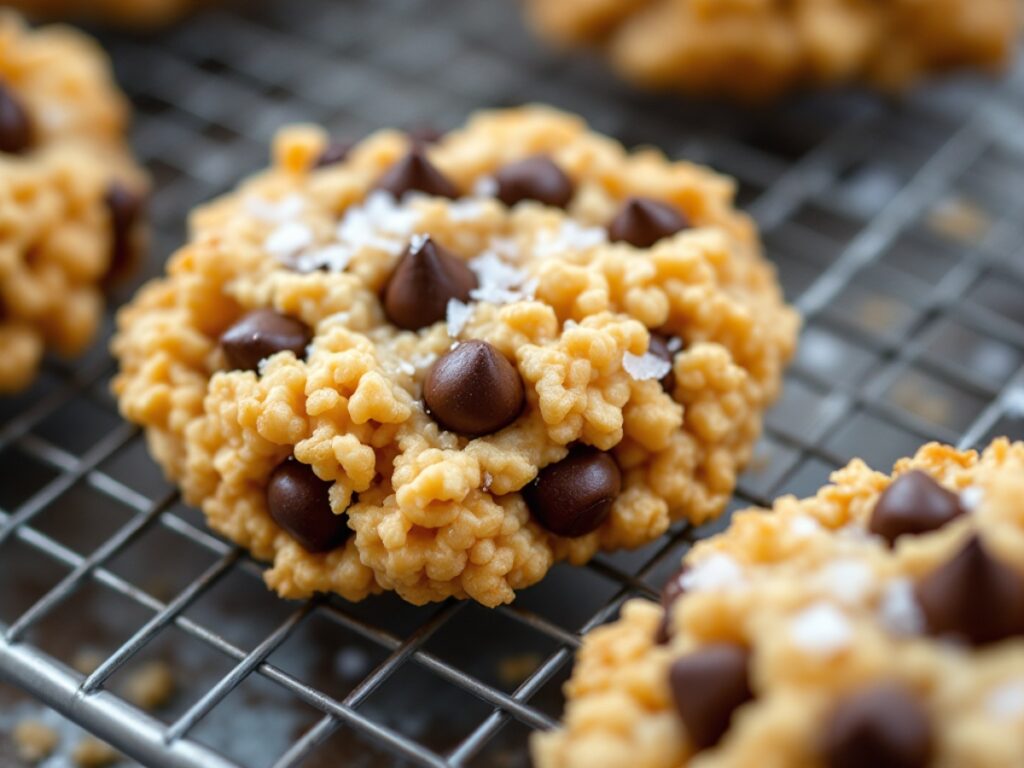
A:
[(142, 13), (438, 368), (757, 50), (70, 194), (879, 623)]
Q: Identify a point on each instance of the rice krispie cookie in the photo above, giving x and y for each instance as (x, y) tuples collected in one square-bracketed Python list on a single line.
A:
[(879, 623), (143, 13), (70, 194), (437, 368), (756, 49)]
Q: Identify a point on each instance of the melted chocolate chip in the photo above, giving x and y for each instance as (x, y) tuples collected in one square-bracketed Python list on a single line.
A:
[(15, 125), (535, 178), (658, 346), (708, 686), (299, 502), (642, 222), (973, 597), (473, 390), (671, 592), (261, 333), (414, 173), (426, 278), (574, 496), (913, 504), (126, 209), (884, 726), (334, 153)]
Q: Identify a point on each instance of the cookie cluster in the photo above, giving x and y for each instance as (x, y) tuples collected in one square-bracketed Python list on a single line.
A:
[(757, 50), (70, 194), (880, 623), (437, 367)]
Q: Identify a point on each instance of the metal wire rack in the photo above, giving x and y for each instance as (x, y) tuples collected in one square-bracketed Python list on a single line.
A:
[(897, 230)]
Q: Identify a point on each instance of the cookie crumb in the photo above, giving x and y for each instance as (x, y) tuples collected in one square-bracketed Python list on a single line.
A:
[(90, 752), (151, 686), (34, 741)]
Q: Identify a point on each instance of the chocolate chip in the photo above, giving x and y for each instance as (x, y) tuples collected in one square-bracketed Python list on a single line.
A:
[(261, 333), (298, 501), (973, 597), (642, 222), (913, 504), (658, 346), (708, 686), (671, 592), (126, 208), (334, 153), (15, 125), (426, 278), (473, 390), (535, 178), (574, 496), (884, 726), (414, 173)]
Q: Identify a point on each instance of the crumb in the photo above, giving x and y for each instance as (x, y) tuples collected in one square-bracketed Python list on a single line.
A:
[(514, 669), (150, 686), (34, 740), (93, 753)]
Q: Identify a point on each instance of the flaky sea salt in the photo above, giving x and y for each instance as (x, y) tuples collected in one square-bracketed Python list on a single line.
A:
[(457, 315), (570, 236), (499, 282), (848, 581), (971, 497), (822, 630), (645, 366), (1007, 701), (288, 239), (466, 210), (485, 186), (380, 222), (898, 610), (334, 258), (286, 209), (714, 573), (803, 526), (674, 344), (488, 479)]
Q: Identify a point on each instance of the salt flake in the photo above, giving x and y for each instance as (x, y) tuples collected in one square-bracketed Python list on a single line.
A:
[(822, 630), (803, 526), (280, 211), (288, 239), (898, 610), (646, 366), (1007, 701), (848, 581), (971, 497), (485, 186), (717, 572), (457, 315)]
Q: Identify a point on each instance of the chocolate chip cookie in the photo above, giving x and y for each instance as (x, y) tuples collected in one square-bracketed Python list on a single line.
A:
[(879, 623), (439, 366), (757, 50), (70, 194)]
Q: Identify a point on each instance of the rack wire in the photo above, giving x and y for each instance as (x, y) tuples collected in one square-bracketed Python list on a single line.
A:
[(897, 230)]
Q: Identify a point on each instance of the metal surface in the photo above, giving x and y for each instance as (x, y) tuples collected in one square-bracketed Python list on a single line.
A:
[(897, 229)]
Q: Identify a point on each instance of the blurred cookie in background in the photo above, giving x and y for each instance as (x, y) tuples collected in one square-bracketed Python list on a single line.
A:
[(138, 13)]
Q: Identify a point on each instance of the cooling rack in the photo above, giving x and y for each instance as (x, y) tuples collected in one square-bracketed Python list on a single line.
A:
[(897, 229)]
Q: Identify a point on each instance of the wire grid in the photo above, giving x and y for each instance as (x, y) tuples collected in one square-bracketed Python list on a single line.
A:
[(896, 229)]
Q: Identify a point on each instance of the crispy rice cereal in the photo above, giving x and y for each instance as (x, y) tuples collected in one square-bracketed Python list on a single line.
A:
[(756, 49), (57, 237), (143, 13), (435, 514), (827, 610)]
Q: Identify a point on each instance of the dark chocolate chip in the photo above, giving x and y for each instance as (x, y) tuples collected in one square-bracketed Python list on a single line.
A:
[(261, 333), (574, 496), (708, 686), (535, 178), (126, 208), (671, 592), (884, 726), (473, 390), (642, 222), (299, 502), (15, 125), (414, 173), (973, 597), (658, 346), (334, 153), (913, 504), (426, 278)]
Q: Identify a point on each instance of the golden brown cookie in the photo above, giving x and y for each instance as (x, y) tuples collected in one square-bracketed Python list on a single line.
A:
[(756, 49), (70, 193), (879, 623), (439, 368)]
